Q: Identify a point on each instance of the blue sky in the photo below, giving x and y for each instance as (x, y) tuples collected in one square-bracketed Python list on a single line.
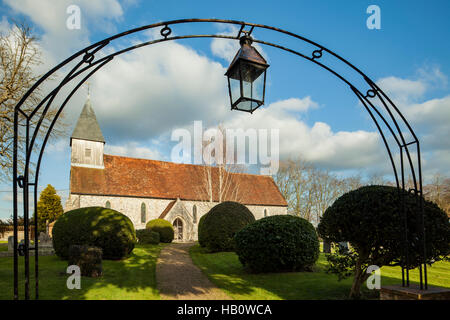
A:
[(140, 98)]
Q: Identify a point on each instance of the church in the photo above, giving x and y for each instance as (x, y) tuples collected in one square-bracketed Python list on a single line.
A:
[(145, 189)]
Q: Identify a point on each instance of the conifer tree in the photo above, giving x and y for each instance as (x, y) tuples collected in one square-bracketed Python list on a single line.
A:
[(49, 207)]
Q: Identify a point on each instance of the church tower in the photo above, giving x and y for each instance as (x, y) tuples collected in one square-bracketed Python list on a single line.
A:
[(87, 140)]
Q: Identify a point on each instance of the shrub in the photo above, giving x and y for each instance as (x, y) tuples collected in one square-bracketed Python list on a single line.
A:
[(147, 236), (371, 219), (278, 243), (163, 227), (89, 259), (217, 228), (107, 229)]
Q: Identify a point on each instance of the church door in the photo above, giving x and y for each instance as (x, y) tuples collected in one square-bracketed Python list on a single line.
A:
[(178, 226)]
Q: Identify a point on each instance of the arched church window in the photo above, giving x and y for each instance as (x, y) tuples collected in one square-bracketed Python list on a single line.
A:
[(265, 212), (143, 213), (108, 205), (194, 213)]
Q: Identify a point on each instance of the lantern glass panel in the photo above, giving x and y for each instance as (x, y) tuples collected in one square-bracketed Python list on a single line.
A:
[(235, 88), (254, 90), (247, 105)]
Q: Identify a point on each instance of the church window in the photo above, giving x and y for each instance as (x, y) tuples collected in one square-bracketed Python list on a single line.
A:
[(87, 152), (194, 213), (265, 212), (143, 213), (108, 205)]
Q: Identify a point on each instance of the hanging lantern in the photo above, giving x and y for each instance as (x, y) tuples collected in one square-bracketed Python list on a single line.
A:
[(247, 77)]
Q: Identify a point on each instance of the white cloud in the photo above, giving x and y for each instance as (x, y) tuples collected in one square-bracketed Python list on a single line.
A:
[(5, 26), (60, 145), (402, 90), (407, 91), (433, 112), (132, 149), (295, 104), (149, 91), (318, 144), (433, 76), (429, 118), (51, 16)]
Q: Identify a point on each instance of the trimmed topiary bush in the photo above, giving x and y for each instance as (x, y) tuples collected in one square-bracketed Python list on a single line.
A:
[(147, 236), (371, 219), (89, 259), (278, 244), (100, 227), (163, 227), (217, 228)]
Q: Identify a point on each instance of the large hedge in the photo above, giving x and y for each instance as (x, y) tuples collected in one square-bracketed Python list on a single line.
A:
[(217, 228), (371, 219), (107, 229), (147, 236), (277, 244), (163, 227)]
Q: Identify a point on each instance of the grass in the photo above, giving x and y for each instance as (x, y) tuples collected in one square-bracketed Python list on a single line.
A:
[(226, 272), (3, 246), (132, 278)]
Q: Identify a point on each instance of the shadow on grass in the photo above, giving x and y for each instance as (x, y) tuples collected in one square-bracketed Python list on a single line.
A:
[(130, 278), (225, 271)]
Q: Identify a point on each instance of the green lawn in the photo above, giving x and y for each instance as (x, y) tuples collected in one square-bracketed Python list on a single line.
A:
[(3, 246), (131, 278), (225, 270)]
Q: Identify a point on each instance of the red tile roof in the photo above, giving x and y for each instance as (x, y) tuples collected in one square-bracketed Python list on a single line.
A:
[(132, 177), (167, 209)]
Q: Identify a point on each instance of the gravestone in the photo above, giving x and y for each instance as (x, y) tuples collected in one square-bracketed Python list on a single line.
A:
[(11, 243), (45, 241)]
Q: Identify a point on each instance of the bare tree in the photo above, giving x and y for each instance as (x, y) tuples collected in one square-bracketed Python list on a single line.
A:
[(220, 176), (326, 189), (376, 179), (438, 191), (19, 57), (294, 179), (309, 191)]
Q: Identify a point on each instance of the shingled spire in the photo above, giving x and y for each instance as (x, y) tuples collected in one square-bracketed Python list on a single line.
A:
[(87, 127)]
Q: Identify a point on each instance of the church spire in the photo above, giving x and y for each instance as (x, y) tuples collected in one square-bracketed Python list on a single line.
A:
[(87, 127)]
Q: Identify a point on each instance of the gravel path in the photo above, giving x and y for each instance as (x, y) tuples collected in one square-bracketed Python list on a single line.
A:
[(179, 279)]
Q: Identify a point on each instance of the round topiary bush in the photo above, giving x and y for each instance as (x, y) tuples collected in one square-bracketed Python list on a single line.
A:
[(277, 244), (147, 236), (100, 227), (217, 228), (163, 227)]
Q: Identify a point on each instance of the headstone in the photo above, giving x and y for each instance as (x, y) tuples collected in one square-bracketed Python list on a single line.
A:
[(11, 243), (45, 240)]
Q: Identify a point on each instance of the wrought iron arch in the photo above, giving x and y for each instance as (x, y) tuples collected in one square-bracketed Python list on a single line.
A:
[(373, 99)]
